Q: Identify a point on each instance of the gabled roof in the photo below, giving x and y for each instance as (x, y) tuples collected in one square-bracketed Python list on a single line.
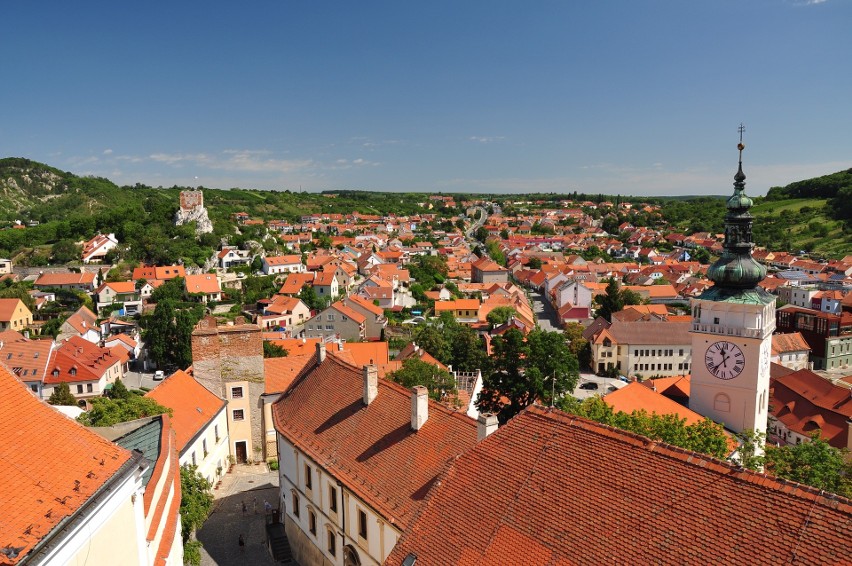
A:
[(636, 396), (58, 279), (283, 260), (279, 373), (77, 360), (118, 287), (364, 304), (83, 320), (193, 405), (62, 466), (202, 283), (804, 402), (371, 448), (8, 308), (294, 283), (27, 359), (792, 342), (513, 499)]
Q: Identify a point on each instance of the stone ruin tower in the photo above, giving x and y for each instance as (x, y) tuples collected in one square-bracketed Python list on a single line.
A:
[(192, 209)]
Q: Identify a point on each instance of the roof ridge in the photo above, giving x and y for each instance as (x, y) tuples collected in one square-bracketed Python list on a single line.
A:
[(698, 459)]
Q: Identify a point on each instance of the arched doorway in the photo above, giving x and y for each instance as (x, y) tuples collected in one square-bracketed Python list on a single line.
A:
[(350, 556)]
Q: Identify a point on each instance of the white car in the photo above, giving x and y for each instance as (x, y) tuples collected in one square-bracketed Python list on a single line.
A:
[(159, 375)]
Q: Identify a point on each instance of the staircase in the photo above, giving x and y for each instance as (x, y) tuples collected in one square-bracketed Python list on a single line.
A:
[(279, 546)]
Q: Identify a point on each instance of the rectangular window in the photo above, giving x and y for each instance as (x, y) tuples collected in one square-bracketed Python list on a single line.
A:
[(332, 498), (295, 504), (236, 392), (79, 388), (216, 432), (88, 388), (332, 543), (239, 415), (194, 463), (312, 522), (362, 524), (309, 481), (681, 352), (204, 446)]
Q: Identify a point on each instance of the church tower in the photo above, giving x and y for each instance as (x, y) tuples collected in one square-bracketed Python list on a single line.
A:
[(732, 324)]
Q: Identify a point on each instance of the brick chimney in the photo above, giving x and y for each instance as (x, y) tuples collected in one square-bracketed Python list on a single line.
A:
[(419, 406), (485, 425), (320, 351), (371, 383)]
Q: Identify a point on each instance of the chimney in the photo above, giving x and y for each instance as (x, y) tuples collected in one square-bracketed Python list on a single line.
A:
[(320, 351), (485, 425), (419, 406), (371, 383)]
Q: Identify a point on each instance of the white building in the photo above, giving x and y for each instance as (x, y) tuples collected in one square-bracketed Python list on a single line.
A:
[(357, 456)]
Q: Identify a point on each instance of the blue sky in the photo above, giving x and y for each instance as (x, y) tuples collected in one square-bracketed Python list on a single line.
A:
[(628, 97)]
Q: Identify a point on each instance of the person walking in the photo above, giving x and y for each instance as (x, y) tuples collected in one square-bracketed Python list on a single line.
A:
[(245, 509), (242, 543)]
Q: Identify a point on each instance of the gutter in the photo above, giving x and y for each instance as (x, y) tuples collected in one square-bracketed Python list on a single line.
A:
[(43, 547)]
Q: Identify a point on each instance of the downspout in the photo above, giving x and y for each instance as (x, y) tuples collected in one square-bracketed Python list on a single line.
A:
[(343, 512)]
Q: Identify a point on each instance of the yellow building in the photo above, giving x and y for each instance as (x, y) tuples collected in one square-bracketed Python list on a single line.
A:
[(14, 315)]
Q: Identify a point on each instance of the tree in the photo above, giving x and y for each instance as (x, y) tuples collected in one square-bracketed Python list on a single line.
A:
[(552, 369), (308, 295), (614, 299), (118, 390), (417, 372), (704, 436), (195, 502), (578, 345), (481, 234), (500, 315), (170, 290), (815, 463), (62, 396), (64, 251), (534, 263), (271, 350), (108, 412), (506, 379)]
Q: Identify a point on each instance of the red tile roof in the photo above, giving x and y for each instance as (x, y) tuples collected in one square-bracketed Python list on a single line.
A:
[(371, 449), (77, 360), (279, 373), (203, 283), (193, 405), (49, 466), (804, 402), (549, 488), (57, 279)]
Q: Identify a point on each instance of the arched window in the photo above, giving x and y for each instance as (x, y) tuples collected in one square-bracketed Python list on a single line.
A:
[(722, 403), (350, 556)]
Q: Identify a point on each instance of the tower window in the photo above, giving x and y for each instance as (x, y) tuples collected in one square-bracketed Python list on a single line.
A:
[(722, 403)]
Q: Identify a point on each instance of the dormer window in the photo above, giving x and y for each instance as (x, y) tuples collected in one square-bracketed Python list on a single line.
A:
[(73, 371)]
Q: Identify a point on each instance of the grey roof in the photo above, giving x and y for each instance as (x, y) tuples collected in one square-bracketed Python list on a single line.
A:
[(651, 333), (143, 435)]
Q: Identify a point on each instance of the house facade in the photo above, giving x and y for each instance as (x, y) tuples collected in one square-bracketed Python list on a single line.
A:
[(14, 315), (345, 500)]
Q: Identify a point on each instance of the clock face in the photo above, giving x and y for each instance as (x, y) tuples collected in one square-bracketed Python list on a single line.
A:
[(724, 360)]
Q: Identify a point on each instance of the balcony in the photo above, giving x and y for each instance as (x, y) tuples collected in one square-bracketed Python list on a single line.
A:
[(720, 330)]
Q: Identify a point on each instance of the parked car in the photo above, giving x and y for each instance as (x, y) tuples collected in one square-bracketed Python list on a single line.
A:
[(159, 375), (591, 385)]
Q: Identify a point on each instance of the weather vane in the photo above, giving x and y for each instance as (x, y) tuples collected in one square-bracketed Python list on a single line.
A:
[(741, 145)]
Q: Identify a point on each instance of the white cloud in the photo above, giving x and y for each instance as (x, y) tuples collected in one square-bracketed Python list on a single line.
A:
[(107, 152), (253, 161), (486, 139)]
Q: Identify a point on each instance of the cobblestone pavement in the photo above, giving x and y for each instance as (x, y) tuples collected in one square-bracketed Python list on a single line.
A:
[(247, 484)]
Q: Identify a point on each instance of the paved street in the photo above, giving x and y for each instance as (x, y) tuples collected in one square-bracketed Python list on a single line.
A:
[(220, 534), (547, 317)]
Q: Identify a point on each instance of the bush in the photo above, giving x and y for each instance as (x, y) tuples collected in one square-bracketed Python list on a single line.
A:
[(273, 465)]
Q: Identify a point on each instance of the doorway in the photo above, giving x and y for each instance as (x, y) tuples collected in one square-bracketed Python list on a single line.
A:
[(241, 450)]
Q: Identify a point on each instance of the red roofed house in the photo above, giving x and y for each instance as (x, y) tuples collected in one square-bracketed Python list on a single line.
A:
[(233, 257), (513, 499), (286, 312), (73, 281), (200, 422), (27, 359), (358, 455), (162, 273), (487, 271), (326, 284), (123, 292), (14, 315), (82, 323), (790, 350), (802, 403), (374, 315), (72, 497), (283, 264), (88, 369), (463, 310), (205, 285), (337, 321), (95, 250)]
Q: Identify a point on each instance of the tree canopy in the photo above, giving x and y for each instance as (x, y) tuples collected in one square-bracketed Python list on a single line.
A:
[(196, 500), (62, 396), (540, 367), (413, 372), (615, 299), (108, 412)]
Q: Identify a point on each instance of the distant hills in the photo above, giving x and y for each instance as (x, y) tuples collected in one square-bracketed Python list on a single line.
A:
[(813, 214)]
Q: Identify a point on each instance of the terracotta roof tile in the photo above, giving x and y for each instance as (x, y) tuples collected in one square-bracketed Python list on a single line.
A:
[(371, 448), (536, 491), (280, 373), (193, 405), (49, 466)]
